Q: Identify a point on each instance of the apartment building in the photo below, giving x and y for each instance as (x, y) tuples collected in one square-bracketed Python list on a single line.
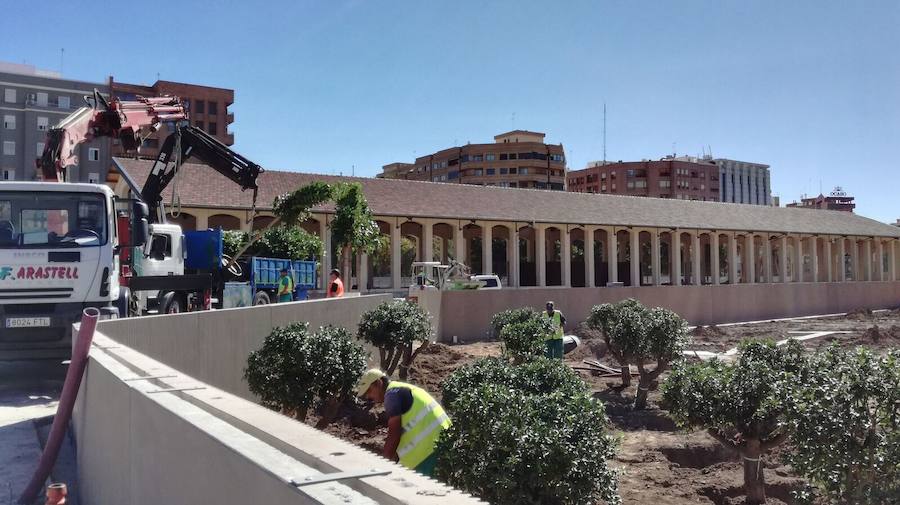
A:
[(32, 101), (744, 182), (207, 109), (516, 159), (670, 177), (836, 200)]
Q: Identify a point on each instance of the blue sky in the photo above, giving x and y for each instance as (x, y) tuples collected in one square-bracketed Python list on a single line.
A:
[(811, 88)]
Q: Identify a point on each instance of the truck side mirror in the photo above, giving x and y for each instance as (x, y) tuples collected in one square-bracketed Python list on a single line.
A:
[(139, 224)]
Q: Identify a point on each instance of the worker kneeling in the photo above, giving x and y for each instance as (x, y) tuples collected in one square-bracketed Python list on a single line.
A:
[(415, 420)]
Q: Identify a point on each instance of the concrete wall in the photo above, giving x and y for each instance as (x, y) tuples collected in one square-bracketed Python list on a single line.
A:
[(213, 346), (140, 442), (697, 304)]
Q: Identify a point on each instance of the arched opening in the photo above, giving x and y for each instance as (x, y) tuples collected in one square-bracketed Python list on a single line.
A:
[(500, 253), (645, 261), (553, 245), (623, 267), (576, 257), (473, 250), (411, 249), (601, 255), (224, 221), (665, 258), (705, 259), (380, 259), (442, 243), (724, 266), (527, 264), (261, 222), (187, 222)]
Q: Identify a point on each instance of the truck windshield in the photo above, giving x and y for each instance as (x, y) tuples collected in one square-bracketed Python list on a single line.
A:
[(45, 219)]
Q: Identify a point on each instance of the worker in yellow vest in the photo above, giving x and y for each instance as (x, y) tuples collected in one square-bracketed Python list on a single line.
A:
[(285, 287), (554, 342), (415, 420)]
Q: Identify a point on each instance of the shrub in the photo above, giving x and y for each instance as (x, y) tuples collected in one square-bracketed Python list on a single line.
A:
[(294, 368), (742, 405), (640, 336), (394, 327), (510, 316), (540, 376), (523, 340), (278, 242), (510, 448), (845, 416)]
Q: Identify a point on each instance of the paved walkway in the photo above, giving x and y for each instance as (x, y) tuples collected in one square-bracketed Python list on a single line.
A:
[(28, 391)]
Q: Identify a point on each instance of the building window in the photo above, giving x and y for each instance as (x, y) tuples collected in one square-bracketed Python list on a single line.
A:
[(198, 124), (665, 184), (452, 175), (477, 157), (42, 123), (93, 154), (504, 171), (213, 108), (514, 185), (556, 157), (523, 171), (9, 122), (629, 184), (9, 174), (62, 102), (443, 178), (213, 128), (40, 149), (612, 175), (9, 148), (512, 171), (640, 184), (491, 171), (9, 95), (200, 107), (41, 99), (94, 178), (512, 156), (702, 186), (490, 157), (477, 171), (504, 156), (613, 187)]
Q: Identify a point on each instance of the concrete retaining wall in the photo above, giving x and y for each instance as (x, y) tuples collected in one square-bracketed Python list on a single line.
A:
[(697, 304), (176, 440), (213, 346)]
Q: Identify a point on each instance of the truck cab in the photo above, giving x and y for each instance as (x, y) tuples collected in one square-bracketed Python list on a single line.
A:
[(58, 245)]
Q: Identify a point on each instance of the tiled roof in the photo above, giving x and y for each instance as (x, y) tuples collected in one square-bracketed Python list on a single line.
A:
[(200, 186)]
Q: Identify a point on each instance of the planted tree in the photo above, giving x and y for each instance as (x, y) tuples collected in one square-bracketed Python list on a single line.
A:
[(526, 339), (539, 376), (295, 370), (510, 448), (650, 339), (290, 210), (845, 416), (292, 243), (395, 327), (510, 316), (742, 405), (353, 228)]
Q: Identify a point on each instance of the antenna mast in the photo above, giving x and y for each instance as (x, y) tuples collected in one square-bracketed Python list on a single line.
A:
[(604, 133)]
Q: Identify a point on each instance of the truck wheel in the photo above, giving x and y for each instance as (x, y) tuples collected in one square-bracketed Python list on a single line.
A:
[(171, 304), (261, 298), (123, 302)]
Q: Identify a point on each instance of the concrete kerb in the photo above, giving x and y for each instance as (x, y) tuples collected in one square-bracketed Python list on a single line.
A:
[(228, 437)]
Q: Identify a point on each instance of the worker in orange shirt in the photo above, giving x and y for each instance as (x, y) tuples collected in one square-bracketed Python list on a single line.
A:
[(335, 284)]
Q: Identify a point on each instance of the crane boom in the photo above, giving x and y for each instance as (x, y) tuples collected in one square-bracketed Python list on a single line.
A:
[(129, 121), (186, 142)]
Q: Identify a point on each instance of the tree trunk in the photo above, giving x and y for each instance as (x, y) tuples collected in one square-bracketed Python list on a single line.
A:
[(754, 485), (300, 414), (640, 399), (346, 260), (329, 412), (626, 376)]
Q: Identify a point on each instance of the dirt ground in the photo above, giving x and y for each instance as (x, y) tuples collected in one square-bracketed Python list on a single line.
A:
[(658, 462)]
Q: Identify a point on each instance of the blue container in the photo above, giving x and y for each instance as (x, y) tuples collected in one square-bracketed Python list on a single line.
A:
[(265, 273), (203, 249)]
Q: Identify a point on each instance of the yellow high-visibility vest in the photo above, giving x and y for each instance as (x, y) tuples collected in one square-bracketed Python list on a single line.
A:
[(422, 426), (556, 319)]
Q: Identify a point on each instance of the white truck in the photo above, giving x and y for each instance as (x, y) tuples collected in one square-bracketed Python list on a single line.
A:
[(58, 255)]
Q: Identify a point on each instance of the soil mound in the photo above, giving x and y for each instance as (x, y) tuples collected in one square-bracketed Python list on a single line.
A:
[(433, 364), (860, 314), (710, 331), (876, 334)]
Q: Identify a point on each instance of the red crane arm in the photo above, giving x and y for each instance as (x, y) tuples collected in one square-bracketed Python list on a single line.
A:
[(129, 121)]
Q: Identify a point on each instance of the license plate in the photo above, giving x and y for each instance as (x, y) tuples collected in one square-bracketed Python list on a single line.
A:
[(27, 322)]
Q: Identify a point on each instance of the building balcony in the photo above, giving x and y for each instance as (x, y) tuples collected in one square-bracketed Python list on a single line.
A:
[(229, 118), (229, 139)]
